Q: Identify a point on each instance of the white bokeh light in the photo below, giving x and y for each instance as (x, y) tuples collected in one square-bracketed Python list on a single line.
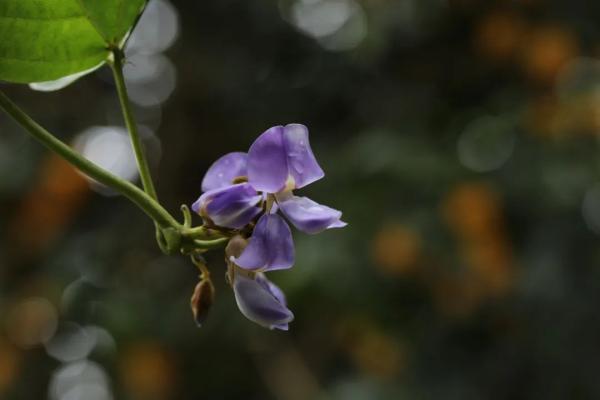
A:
[(320, 18), (337, 25), (71, 343), (80, 380), (157, 29), (108, 147), (151, 79)]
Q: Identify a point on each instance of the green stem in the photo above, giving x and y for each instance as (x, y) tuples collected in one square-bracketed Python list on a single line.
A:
[(138, 147), (211, 244), (127, 189), (201, 232)]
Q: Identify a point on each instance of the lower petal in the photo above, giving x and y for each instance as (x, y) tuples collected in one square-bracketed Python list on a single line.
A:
[(259, 304)]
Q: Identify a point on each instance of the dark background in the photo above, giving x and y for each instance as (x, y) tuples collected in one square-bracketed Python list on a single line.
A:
[(459, 138)]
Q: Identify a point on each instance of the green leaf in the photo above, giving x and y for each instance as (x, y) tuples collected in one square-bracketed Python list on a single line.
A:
[(113, 18), (43, 40)]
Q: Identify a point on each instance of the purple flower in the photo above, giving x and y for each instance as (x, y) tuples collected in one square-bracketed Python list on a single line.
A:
[(279, 161)]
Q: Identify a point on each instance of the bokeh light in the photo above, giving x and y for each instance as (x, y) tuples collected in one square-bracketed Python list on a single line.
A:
[(31, 322), (336, 24), (10, 365), (71, 343), (486, 143), (78, 380), (148, 372), (157, 29), (108, 147)]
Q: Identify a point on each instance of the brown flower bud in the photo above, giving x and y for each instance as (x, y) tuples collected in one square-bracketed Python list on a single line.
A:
[(202, 299)]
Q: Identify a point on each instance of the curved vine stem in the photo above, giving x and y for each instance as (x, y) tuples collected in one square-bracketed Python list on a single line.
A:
[(170, 234), (127, 189)]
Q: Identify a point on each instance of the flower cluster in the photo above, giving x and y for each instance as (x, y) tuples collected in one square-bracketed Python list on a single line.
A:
[(244, 193)]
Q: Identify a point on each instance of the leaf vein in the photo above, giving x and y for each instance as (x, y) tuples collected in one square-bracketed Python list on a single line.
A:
[(65, 18), (40, 61)]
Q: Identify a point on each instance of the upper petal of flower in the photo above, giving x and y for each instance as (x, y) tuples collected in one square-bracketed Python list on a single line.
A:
[(302, 164), (267, 161), (261, 301), (309, 216), (222, 172), (231, 207), (270, 247), (281, 154)]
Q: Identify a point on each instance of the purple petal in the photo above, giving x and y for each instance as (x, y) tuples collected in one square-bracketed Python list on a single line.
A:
[(271, 287), (309, 216), (338, 224), (270, 247), (230, 207), (275, 291), (223, 171), (267, 161), (302, 165), (258, 303)]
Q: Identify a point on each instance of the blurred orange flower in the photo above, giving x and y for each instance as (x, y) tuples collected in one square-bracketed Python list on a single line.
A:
[(10, 364), (148, 371), (396, 249)]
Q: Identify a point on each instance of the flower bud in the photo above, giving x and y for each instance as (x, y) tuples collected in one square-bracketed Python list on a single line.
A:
[(202, 299)]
